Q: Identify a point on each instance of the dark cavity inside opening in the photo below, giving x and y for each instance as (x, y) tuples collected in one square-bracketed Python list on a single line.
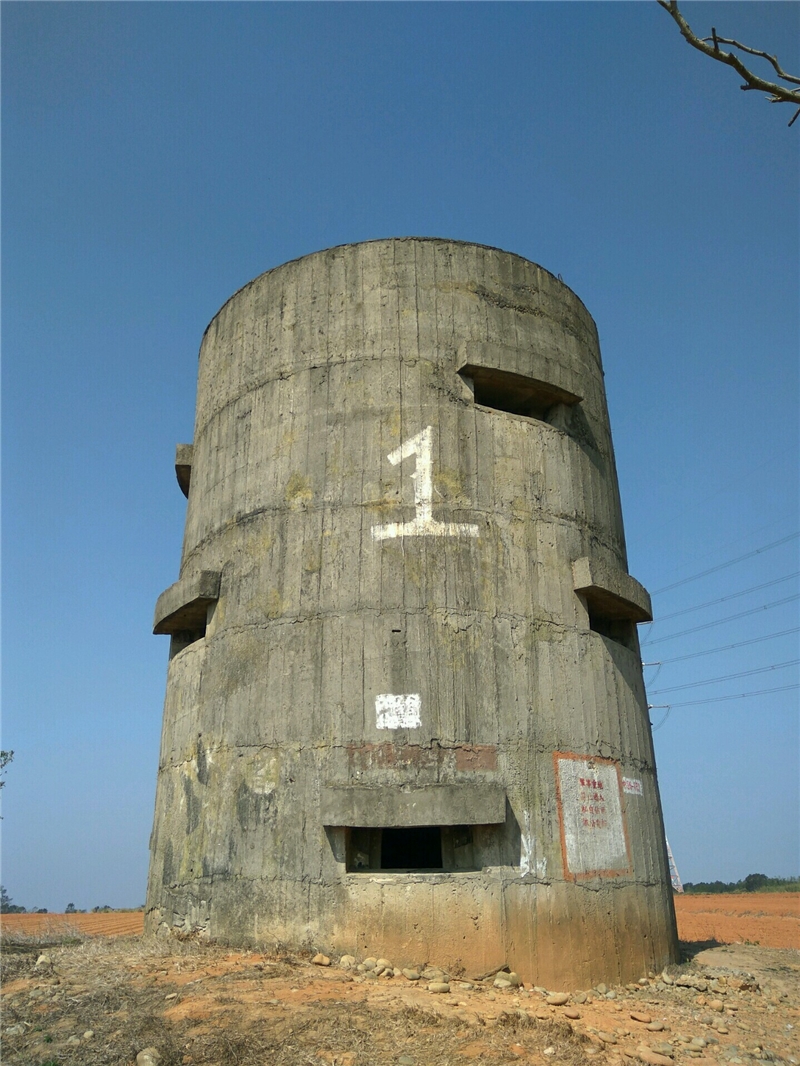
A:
[(419, 849), (182, 638), (620, 630), (415, 848), (516, 394)]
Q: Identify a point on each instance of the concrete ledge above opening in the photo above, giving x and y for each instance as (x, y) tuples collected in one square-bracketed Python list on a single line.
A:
[(611, 592), (429, 805), (183, 466), (183, 606)]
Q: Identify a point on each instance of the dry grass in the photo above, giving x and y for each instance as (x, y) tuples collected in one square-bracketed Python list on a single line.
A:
[(201, 1004), (49, 934), (119, 989)]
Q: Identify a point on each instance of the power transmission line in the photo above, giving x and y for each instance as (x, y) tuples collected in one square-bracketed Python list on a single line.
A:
[(652, 706), (720, 621), (720, 699), (730, 562), (772, 525), (722, 599), (726, 647), (727, 677)]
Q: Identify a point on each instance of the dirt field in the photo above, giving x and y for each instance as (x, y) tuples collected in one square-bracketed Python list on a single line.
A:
[(771, 919), (116, 923), (72, 999)]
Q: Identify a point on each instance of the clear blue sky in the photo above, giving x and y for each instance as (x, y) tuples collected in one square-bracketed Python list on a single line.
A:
[(158, 156)]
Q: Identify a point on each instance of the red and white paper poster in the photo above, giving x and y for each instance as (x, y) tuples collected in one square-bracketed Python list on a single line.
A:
[(593, 836)]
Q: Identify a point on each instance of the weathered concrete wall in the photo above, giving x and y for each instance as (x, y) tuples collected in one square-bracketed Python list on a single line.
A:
[(423, 605)]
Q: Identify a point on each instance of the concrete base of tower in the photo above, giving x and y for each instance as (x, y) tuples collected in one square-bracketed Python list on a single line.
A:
[(559, 935)]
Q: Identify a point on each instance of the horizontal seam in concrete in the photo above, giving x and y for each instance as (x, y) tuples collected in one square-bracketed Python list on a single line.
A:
[(294, 372), (296, 748), (547, 518), (436, 386), (491, 874), (337, 612), (630, 762)]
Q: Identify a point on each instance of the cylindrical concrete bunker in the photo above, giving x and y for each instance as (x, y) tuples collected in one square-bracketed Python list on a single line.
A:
[(405, 712)]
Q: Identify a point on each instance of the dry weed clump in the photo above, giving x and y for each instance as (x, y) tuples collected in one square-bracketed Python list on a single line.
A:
[(337, 1037), (50, 933), (17, 948)]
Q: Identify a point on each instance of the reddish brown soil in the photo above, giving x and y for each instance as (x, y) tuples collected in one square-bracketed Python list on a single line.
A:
[(101, 1001), (119, 923), (771, 919)]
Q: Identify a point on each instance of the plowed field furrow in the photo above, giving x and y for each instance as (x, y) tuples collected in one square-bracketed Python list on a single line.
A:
[(126, 923)]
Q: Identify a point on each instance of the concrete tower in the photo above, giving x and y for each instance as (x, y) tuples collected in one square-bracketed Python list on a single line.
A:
[(405, 708)]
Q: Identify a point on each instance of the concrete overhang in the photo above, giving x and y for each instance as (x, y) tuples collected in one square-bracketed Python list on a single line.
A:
[(184, 605), (611, 592), (520, 368), (183, 466), (388, 806)]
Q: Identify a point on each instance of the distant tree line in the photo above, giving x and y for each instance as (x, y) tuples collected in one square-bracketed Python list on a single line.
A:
[(751, 883), (7, 906)]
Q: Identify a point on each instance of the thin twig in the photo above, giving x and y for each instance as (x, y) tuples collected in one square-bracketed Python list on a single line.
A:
[(754, 52), (778, 94)]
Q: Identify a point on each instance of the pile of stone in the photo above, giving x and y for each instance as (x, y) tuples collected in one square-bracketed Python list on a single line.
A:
[(436, 980), (709, 999)]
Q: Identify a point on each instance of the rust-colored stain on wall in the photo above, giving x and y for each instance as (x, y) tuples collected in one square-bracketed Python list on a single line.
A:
[(462, 757), (476, 757), (363, 757)]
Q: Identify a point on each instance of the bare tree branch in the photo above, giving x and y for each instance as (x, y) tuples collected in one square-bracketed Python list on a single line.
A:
[(755, 52), (777, 93)]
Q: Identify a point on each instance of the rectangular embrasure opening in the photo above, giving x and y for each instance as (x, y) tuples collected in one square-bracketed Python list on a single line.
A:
[(619, 629), (514, 393), (182, 638), (410, 849)]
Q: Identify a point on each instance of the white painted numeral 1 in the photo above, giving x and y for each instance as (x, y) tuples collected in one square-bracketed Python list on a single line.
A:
[(423, 524)]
